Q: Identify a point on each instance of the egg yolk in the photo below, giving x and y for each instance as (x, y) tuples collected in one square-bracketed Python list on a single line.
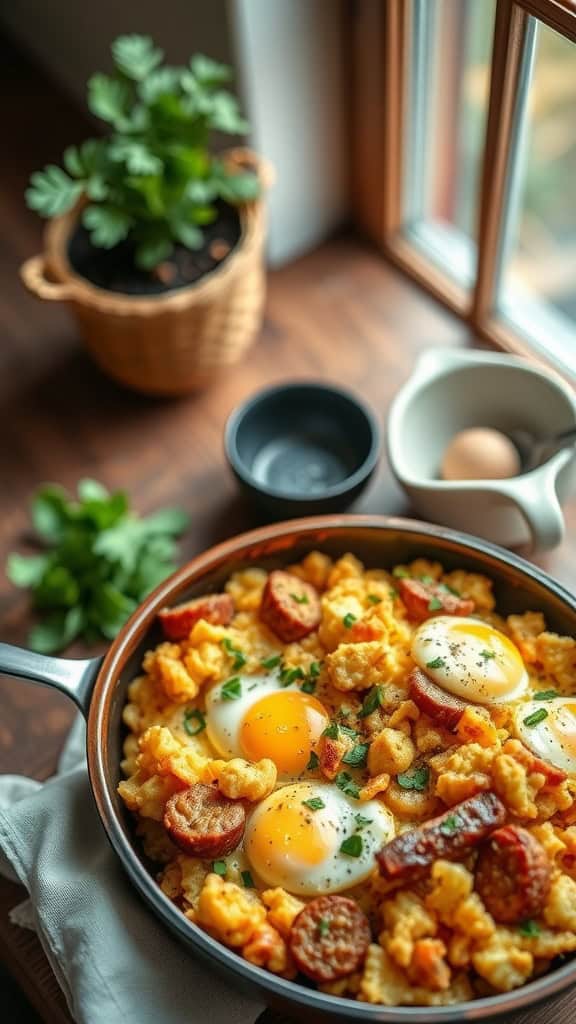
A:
[(507, 669), (563, 724), (284, 727), (286, 836)]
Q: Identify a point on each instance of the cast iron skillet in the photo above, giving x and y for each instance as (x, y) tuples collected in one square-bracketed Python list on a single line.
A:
[(99, 687)]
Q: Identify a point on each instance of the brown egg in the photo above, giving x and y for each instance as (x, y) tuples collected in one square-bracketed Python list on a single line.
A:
[(480, 453)]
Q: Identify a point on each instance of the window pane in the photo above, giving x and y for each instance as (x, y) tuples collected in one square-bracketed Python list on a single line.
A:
[(538, 283), (450, 76)]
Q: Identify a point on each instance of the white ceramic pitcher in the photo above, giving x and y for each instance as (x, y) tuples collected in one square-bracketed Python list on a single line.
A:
[(451, 390)]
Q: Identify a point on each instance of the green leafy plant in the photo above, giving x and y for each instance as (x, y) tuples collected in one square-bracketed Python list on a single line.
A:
[(153, 179), (98, 561)]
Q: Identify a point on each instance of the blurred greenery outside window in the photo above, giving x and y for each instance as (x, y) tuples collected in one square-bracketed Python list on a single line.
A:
[(448, 93)]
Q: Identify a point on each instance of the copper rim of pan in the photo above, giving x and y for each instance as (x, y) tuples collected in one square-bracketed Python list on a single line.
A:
[(278, 540)]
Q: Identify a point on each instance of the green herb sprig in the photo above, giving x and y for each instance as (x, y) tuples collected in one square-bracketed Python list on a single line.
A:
[(97, 561), (416, 778), (194, 721), (238, 656), (536, 717), (152, 180)]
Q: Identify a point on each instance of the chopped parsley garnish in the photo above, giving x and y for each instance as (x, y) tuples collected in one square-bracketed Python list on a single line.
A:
[(450, 825), (232, 689), (427, 580), (234, 652), (436, 663), (346, 783), (434, 604), (374, 599), (300, 598), (487, 655), (219, 867), (536, 717), (247, 880), (347, 731), (400, 573), (361, 821), (290, 675), (349, 620), (323, 926), (416, 779), (529, 928), (194, 721), (372, 701), (332, 731), (308, 686), (352, 846), (272, 662), (315, 803), (546, 695), (356, 757), (313, 762)]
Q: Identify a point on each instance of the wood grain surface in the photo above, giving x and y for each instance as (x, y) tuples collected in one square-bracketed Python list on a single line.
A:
[(339, 314)]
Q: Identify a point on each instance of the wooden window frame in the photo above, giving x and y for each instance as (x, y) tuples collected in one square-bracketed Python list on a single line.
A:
[(381, 33)]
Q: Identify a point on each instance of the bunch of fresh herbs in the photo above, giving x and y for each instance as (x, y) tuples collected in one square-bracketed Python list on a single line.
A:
[(152, 180), (98, 561)]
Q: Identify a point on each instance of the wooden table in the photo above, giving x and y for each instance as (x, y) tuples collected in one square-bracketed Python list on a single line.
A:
[(339, 314)]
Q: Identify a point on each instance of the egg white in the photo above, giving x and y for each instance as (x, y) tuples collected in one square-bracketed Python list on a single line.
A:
[(470, 659), (223, 717), (554, 737), (278, 854)]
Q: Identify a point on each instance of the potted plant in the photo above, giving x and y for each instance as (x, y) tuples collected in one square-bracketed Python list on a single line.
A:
[(155, 241)]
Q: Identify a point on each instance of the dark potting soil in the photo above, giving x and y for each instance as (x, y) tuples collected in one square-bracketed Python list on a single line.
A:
[(114, 269)]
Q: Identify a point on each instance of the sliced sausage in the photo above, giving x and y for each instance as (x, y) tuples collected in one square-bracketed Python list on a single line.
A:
[(450, 836), (553, 775), (513, 875), (178, 621), (203, 822), (329, 938), (290, 607), (443, 707), (423, 600)]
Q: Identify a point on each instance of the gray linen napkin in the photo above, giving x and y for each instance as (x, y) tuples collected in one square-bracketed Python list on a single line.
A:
[(116, 963)]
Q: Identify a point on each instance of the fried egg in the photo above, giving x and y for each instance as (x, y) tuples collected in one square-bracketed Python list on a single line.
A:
[(253, 717), (470, 659), (548, 729), (294, 838)]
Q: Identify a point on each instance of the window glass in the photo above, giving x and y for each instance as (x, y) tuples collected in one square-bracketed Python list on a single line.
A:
[(537, 290), (448, 103)]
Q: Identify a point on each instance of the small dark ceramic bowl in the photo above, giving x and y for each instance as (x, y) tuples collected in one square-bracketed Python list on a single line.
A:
[(302, 448)]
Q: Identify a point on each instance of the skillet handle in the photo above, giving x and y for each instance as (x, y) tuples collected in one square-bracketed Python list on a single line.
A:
[(71, 676)]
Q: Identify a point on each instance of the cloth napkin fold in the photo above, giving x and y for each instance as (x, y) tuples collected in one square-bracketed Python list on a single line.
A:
[(115, 961)]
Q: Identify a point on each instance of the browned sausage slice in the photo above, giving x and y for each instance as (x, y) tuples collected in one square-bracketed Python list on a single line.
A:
[(329, 938), (513, 875), (443, 707), (423, 600), (450, 836), (203, 822), (178, 621), (290, 607)]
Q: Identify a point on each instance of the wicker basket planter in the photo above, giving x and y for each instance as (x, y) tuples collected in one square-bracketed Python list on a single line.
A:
[(175, 342)]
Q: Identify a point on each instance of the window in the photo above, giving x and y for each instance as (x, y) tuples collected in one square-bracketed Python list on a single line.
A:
[(466, 157), (447, 90), (537, 284)]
